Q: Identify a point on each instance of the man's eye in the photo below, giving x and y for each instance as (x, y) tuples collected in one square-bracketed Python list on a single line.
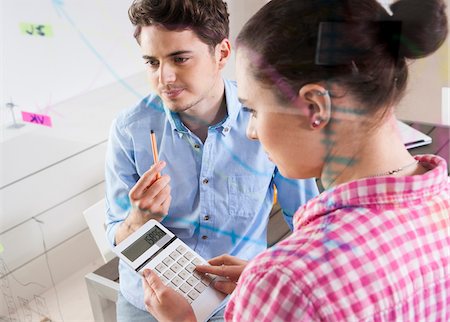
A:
[(180, 60), (152, 63), (249, 110)]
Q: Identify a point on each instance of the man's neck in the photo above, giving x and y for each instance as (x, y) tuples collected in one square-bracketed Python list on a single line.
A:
[(208, 112)]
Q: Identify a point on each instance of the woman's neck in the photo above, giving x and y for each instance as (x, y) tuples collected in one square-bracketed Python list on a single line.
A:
[(368, 154)]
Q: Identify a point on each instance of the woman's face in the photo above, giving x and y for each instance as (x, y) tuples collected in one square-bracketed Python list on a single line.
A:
[(283, 130)]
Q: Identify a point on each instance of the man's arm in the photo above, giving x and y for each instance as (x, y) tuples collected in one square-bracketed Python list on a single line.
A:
[(293, 193), (131, 200)]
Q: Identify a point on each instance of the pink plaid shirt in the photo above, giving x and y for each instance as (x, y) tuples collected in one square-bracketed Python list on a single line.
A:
[(376, 249)]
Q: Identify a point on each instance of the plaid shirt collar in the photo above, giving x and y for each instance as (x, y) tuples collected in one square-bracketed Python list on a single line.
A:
[(371, 192)]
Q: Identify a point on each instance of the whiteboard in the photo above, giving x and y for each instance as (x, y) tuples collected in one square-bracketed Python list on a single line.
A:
[(53, 50)]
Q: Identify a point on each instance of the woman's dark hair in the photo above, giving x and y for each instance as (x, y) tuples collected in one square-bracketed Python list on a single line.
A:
[(208, 19), (355, 43)]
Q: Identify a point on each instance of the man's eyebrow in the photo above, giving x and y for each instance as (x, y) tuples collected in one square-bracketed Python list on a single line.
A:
[(175, 53)]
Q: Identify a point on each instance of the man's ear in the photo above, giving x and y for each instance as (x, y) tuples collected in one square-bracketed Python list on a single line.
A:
[(319, 104), (223, 52)]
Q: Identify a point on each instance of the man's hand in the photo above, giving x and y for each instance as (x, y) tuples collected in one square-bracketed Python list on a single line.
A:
[(150, 196), (226, 266), (164, 303), (150, 199)]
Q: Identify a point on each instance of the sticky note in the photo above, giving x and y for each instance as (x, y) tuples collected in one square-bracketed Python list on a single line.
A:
[(39, 119), (1, 248), (32, 29)]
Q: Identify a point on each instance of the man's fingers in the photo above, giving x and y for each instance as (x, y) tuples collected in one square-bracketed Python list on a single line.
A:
[(141, 199), (146, 180), (157, 200)]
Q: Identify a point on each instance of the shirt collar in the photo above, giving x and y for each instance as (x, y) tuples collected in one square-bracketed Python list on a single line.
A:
[(374, 191), (233, 108)]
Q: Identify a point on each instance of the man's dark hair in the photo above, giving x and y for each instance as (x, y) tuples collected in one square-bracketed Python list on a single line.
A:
[(208, 19)]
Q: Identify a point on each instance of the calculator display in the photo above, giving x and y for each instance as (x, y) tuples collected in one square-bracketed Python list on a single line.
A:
[(146, 241)]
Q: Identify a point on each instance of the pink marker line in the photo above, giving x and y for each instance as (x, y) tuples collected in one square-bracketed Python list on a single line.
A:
[(39, 119)]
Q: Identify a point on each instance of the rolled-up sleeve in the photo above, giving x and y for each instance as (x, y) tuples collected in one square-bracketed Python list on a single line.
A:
[(120, 177)]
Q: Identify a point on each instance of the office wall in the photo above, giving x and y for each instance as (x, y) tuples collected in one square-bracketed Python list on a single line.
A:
[(425, 99), (42, 230), (76, 62)]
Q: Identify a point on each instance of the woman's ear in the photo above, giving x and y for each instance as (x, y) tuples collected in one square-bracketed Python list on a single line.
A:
[(319, 104)]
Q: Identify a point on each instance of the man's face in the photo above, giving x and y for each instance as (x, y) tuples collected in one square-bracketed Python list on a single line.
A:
[(181, 68)]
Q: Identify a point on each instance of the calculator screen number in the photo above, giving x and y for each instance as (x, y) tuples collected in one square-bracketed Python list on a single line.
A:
[(146, 241)]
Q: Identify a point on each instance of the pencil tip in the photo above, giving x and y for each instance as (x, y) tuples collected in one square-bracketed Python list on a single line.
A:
[(151, 132)]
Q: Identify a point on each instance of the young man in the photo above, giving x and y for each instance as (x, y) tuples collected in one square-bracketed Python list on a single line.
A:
[(216, 188)]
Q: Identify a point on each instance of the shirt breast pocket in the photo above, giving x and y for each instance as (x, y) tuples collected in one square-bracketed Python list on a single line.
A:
[(246, 194)]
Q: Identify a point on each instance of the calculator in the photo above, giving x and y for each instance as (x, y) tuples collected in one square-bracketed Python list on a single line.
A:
[(154, 246)]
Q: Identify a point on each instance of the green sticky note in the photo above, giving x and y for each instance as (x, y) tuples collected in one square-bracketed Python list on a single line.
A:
[(1, 248), (34, 29)]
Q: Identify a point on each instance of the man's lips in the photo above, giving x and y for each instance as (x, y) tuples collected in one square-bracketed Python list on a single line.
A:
[(172, 93)]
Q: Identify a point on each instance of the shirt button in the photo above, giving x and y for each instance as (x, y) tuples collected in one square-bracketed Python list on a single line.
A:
[(206, 217), (197, 146), (205, 181), (226, 129), (204, 237)]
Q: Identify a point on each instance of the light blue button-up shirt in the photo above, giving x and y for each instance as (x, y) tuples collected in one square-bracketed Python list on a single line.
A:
[(222, 190)]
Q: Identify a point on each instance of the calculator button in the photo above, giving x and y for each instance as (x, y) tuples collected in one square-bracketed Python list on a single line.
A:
[(193, 294), (175, 255), (197, 261), (188, 299), (168, 261), (176, 268), (169, 274), (161, 267), (189, 255), (164, 280), (173, 286), (185, 287), (190, 268), (184, 275), (200, 287), (198, 274), (181, 249), (182, 261), (206, 280), (192, 280), (177, 281)]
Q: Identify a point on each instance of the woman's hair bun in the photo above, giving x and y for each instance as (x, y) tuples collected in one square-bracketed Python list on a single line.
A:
[(423, 26)]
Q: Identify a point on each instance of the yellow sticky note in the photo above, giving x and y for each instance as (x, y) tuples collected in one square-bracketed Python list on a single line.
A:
[(34, 29), (1, 248)]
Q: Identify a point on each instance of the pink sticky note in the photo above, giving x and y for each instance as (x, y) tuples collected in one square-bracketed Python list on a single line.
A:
[(39, 119)]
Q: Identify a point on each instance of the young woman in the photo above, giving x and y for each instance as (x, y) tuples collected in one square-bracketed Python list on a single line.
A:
[(322, 78)]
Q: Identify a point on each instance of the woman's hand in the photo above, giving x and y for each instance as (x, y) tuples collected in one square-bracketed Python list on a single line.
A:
[(164, 303), (226, 266)]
